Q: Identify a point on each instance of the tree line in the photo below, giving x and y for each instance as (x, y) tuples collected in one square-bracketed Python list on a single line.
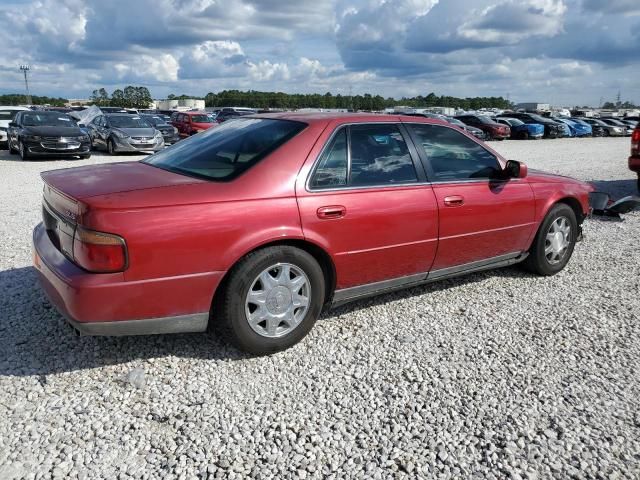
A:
[(366, 101), (21, 99), (129, 97)]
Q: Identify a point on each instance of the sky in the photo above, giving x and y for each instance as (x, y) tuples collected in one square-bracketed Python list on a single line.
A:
[(564, 52)]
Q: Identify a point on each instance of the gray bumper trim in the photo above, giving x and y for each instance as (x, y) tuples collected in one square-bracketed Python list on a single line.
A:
[(152, 326)]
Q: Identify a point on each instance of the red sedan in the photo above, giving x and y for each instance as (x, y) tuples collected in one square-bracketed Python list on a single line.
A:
[(254, 226), (634, 159)]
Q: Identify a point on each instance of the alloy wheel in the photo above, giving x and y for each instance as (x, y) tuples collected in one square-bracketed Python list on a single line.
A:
[(558, 240), (278, 300)]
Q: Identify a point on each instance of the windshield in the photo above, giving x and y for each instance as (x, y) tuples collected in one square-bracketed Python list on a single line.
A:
[(153, 120), (224, 152), (455, 121), (8, 115), (485, 120), (514, 122), (49, 119), (127, 121), (201, 119)]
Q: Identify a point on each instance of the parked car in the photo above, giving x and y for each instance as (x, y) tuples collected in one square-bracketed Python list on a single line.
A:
[(40, 134), (596, 130), (607, 130), (494, 130), (577, 130), (551, 128), (123, 132), (228, 113), (113, 110), (521, 130), (169, 132), (634, 158), (254, 226), (476, 132), (190, 123), (627, 129), (7, 114)]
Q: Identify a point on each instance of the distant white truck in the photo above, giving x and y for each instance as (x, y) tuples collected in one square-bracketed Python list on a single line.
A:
[(6, 116)]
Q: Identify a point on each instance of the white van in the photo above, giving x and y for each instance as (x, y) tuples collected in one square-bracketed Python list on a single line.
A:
[(6, 116)]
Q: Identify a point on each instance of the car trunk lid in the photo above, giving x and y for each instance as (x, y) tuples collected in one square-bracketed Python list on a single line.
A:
[(80, 183)]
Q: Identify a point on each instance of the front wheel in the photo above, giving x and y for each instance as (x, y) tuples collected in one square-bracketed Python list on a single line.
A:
[(271, 300), (554, 243), (24, 153), (111, 147)]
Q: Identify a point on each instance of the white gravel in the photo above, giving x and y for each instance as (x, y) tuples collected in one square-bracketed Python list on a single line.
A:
[(497, 375)]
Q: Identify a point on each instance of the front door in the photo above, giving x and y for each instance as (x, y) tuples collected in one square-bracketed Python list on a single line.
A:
[(482, 216), (367, 202)]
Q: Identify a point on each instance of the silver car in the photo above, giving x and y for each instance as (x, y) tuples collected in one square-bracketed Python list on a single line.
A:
[(123, 132)]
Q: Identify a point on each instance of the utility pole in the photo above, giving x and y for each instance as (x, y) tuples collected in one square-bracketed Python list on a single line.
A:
[(25, 69)]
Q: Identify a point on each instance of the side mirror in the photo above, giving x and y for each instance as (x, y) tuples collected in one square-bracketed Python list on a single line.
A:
[(81, 125), (12, 124), (515, 169)]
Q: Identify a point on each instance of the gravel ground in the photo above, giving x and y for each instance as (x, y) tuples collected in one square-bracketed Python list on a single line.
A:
[(496, 375)]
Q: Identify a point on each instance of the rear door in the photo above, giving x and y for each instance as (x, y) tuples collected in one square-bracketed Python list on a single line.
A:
[(367, 202), (482, 218)]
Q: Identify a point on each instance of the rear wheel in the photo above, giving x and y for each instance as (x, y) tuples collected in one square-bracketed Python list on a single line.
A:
[(524, 135), (554, 243), (271, 300), (84, 157), (605, 133), (11, 148)]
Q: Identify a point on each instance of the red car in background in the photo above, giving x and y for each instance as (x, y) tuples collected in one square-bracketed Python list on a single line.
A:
[(634, 159), (494, 130), (253, 227), (190, 123)]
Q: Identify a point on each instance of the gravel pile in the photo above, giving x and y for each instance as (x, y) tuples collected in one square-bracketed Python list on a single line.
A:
[(497, 375)]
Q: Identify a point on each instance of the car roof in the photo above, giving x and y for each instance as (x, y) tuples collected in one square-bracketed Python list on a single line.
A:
[(343, 117), (119, 114), (12, 107)]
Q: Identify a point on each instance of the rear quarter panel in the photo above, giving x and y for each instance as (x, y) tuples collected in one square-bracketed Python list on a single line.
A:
[(207, 227)]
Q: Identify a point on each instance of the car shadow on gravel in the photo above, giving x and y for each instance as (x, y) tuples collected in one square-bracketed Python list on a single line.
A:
[(35, 340)]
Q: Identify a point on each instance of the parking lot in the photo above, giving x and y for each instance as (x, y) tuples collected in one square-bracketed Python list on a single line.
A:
[(500, 374)]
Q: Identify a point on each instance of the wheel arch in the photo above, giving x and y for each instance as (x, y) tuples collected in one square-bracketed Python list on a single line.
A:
[(575, 205), (318, 253)]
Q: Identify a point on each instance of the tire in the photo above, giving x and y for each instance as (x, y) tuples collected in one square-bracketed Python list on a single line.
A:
[(540, 260), (24, 154), (86, 156), (111, 147), (638, 185), (12, 150), (605, 133), (233, 308), (524, 136)]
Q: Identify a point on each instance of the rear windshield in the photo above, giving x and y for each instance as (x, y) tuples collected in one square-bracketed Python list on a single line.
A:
[(51, 119), (224, 152)]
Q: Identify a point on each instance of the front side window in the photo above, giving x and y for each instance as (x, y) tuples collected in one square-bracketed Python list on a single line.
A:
[(454, 156), (224, 152)]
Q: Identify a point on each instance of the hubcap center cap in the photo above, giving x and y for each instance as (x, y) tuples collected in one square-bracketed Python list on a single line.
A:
[(278, 300), (558, 241)]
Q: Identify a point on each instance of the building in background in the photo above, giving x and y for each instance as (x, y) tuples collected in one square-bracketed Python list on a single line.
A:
[(182, 104), (534, 107)]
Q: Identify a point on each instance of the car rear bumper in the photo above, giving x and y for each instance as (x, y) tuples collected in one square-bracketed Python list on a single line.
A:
[(107, 304), (634, 164)]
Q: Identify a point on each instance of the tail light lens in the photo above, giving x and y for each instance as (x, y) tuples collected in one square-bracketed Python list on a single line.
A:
[(99, 252), (635, 142)]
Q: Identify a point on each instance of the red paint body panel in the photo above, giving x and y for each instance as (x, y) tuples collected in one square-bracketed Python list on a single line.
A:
[(183, 234), (496, 218)]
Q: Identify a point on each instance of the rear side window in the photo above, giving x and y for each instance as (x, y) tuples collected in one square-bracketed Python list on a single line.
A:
[(332, 167), (378, 157), (454, 156), (224, 152)]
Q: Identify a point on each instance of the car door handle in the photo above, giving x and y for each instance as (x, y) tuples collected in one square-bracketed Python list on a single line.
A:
[(332, 211), (454, 201)]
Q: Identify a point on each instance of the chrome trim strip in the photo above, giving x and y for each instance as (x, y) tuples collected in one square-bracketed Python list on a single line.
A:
[(346, 295), (500, 229), (196, 322), (387, 247), (471, 266)]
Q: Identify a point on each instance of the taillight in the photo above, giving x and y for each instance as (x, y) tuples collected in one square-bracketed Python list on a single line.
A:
[(99, 252), (635, 142)]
